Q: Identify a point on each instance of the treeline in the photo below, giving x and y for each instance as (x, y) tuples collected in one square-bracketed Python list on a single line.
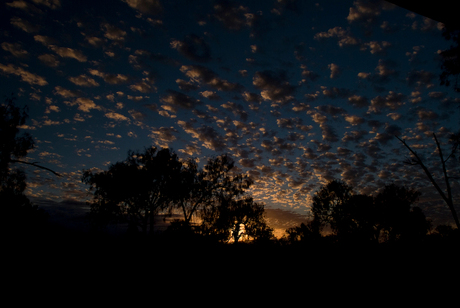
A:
[(387, 217), (214, 205), (212, 201)]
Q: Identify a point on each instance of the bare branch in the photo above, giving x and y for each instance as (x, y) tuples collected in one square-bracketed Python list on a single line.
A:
[(35, 164), (449, 192), (448, 198)]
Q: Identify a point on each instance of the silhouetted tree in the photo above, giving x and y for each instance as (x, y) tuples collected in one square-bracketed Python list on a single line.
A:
[(236, 219), (304, 233), (396, 217), (201, 190), (16, 209), (329, 204), (135, 190), (450, 58), (362, 218), (358, 219), (416, 160)]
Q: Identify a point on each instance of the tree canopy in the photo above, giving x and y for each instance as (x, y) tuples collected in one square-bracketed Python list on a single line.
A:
[(212, 200), (136, 189), (388, 216), (18, 213)]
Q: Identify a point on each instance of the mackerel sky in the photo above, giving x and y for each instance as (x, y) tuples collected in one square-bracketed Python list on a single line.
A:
[(297, 92)]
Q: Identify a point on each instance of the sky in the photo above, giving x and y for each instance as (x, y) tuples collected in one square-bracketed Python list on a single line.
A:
[(298, 93)]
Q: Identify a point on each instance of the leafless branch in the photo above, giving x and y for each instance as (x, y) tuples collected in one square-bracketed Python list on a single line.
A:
[(448, 198), (35, 164)]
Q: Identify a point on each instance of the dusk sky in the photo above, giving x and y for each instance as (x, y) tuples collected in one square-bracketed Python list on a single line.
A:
[(297, 92)]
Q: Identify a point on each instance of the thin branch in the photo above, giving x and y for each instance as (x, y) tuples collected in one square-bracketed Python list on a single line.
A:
[(427, 172), (35, 165), (451, 153), (448, 199), (449, 192)]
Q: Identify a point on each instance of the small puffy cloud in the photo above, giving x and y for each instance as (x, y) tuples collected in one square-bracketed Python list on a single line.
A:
[(110, 78), (26, 76), (210, 95), (15, 49), (358, 101), (191, 150), (290, 123), (367, 12), (343, 36), (394, 116), (392, 101), (236, 109), (23, 5), (317, 117), (273, 85), (85, 104), (425, 115), (413, 56), (186, 85), (175, 100), (207, 135), (335, 92), (163, 136), (436, 95), (232, 16), (335, 70), (377, 47), (151, 7), (66, 93), (353, 136), (332, 110), (384, 69), (420, 78), (354, 119), (45, 40), (49, 60), (52, 4), (66, 52), (113, 33), (364, 75), (328, 133), (84, 81), (193, 48), (52, 108), (247, 162), (136, 114), (307, 74), (24, 25), (389, 133), (144, 86), (116, 116), (200, 74)]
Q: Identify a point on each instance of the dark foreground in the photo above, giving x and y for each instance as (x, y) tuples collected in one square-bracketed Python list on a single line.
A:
[(72, 257)]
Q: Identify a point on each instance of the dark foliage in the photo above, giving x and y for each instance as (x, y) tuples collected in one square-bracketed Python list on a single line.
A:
[(450, 59), (135, 190), (18, 215), (389, 216)]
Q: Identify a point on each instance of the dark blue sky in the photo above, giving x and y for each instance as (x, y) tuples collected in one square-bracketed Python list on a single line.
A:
[(297, 92)]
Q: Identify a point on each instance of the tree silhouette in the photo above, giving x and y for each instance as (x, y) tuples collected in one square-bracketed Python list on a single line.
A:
[(135, 190), (362, 218), (17, 210), (396, 217), (329, 204), (236, 219), (450, 58), (304, 233), (201, 190)]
